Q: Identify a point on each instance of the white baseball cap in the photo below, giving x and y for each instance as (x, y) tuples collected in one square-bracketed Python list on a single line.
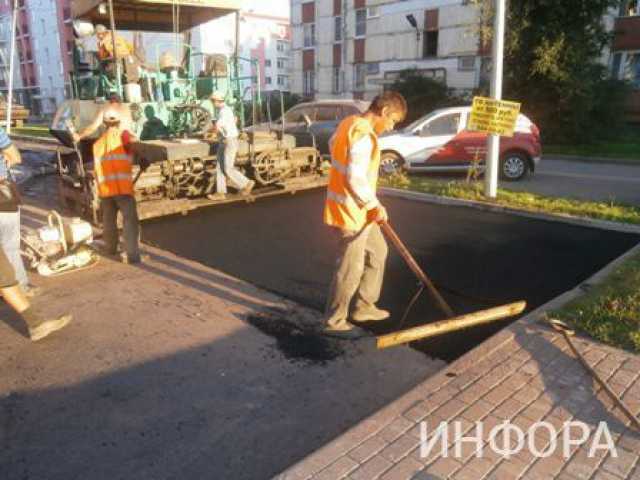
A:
[(217, 96)]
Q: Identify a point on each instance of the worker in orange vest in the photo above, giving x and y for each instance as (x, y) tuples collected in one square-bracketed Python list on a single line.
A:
[(112, 163), (354, 211), (105, 37)]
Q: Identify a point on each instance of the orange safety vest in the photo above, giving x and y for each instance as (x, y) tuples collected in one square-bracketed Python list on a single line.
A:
[(105, 47), (112, 164), (341, 209)]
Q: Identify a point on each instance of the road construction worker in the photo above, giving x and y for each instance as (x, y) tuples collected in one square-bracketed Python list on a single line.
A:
[(124, 48), (39, 324), (113, 163), (354, 211), (225, 127), (10, 214)]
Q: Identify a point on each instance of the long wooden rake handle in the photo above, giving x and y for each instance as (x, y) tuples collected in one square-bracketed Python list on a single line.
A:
[(415, 268), (451, 325)]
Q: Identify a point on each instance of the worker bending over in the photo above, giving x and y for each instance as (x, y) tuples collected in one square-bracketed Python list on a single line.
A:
[(112, 165), (227, 130), (353, 210)]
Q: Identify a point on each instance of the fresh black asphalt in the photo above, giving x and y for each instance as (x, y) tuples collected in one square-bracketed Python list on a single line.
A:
[(478, 259)]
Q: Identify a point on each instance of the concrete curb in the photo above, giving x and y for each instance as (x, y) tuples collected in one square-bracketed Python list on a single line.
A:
[(368, 427), (489, 207), (577, 158)]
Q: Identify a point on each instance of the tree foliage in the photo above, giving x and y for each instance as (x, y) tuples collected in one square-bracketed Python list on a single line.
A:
[(424, 94), (270, 103), (553, 52)]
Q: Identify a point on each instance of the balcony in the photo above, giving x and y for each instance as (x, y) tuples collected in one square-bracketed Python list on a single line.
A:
[(627, 33)]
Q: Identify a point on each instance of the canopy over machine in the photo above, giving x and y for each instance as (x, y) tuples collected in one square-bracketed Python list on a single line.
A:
[(168, 98)]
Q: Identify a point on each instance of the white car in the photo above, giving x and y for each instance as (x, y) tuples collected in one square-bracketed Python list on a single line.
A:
[(440, 142)]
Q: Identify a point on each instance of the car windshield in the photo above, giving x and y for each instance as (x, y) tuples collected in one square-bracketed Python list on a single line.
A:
[(412, 126)]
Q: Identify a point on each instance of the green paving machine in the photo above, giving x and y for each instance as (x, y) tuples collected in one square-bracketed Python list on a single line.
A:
[(168, 99)]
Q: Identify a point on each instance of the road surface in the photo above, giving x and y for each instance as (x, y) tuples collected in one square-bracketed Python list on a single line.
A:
[(281, 244), (587, 181), (572, 179)]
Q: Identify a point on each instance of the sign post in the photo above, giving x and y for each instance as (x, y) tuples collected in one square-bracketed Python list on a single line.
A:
[(493, 141)]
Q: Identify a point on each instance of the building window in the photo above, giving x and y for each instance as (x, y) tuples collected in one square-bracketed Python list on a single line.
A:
[(467, 63), (336, 84), (309, 34), (615, 65), (372, 12), (280, 46), (282, 80), (630, 8), (373, 68), (359, 75), (282, 63), (361, 22), (309, 82), (267, 80), (267, 63), (631, 69), (430, 48), (337, 28)]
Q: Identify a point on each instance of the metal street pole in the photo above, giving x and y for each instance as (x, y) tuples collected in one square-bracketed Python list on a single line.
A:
[(12, 52), (493, 141), (116, 59)]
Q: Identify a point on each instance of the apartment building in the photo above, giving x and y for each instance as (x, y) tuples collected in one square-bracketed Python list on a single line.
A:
[(352, 48), (44, 44), (266, 38), (625, 53)]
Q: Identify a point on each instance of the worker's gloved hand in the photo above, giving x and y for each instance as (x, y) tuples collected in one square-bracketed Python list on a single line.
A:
[(378, 214)]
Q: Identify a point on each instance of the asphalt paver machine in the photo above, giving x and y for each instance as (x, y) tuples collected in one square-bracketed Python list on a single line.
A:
[(171, 112)]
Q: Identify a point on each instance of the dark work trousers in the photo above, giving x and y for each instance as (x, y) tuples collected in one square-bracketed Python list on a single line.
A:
[(359, 271), (131, 228)]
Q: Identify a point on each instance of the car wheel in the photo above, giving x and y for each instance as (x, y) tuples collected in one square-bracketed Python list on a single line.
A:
[(391, 163), (513, 166)]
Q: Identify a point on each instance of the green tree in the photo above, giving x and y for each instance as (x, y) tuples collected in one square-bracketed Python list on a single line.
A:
[(273, 102), (552, 65), (424, 94)]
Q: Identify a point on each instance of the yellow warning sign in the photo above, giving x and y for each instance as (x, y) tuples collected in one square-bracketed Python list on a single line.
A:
[(494, 116)]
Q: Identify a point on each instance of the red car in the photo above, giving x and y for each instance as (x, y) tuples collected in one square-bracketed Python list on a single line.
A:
[(440, 142)]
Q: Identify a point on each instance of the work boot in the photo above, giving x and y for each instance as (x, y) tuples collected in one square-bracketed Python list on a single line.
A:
[(349, 332), (217, 196), (247, 189), (369, 314), (40, 326), (127, 260), (31, 291)]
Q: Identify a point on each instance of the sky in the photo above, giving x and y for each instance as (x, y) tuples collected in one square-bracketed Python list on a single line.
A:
[(267, 7)]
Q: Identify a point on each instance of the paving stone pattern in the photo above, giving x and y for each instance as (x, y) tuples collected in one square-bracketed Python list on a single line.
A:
[(523, 375)]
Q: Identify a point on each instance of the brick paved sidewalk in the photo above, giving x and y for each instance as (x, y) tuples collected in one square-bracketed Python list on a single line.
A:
[(524, 374)]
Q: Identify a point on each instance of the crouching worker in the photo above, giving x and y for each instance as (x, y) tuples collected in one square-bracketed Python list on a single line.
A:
[(38, 324), (353, 210), (113, 162)]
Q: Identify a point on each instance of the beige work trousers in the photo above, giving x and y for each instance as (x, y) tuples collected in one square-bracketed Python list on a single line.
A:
[(359, 271)]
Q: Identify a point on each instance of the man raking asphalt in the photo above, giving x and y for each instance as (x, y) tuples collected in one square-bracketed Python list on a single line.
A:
[(358, 219)]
